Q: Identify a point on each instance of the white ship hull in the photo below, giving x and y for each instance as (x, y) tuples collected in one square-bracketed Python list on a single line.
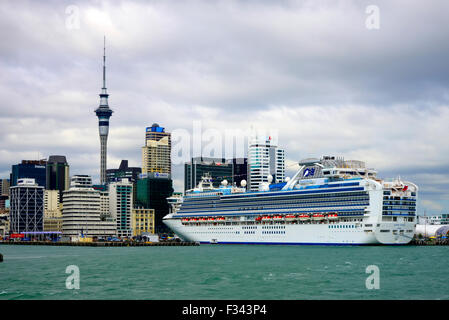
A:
[(344, 233)]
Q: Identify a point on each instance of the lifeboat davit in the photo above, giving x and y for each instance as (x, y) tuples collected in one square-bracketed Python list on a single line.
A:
[(290, 217), (318, 216), (332, 216), (304, 217)]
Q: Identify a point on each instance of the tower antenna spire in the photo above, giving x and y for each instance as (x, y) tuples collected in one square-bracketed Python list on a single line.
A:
[(104, 62)]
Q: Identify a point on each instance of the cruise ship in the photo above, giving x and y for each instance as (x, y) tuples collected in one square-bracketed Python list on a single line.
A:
[(329, 201)]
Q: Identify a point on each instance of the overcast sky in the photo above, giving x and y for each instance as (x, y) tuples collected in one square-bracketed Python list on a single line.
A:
[(320, 73)]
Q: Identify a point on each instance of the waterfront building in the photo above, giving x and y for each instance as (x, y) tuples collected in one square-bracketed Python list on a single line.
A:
[(81, 211), (103, 113), (120, 206), (32, 169), (153, 189), (265, 158), (4, 222), (156, 154), (52, 211), (142, 221), (57, 174), (27, 206)]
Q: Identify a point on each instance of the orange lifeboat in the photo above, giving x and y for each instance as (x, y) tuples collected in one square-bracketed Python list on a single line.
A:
[(278, 218), (267, 218), (318, 216), (290, 217), (203, 220), (211, 219), (304, 217), (332, 216), (221, 219)]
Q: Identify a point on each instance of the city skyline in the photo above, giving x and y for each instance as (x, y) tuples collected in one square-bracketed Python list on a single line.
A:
[(386, 91)]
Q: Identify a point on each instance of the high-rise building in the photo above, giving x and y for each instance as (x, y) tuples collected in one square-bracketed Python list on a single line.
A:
[(218, 169), (103, 113), (120, 206), (264, 159), (123, 172), (57, 174), (239, 170), (156, 154), (27, 206), (232, 170), (81, 210), (152, 193), (32, 169), (52, 211)]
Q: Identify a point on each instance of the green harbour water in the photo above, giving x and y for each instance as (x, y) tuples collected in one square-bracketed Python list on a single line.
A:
[(225, 272)]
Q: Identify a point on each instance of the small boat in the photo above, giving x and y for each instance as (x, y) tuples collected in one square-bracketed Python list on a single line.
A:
[(221, 219), (267, 218), (203, 220), (278, 218), (290, 217), (304, 217), (211, 219)]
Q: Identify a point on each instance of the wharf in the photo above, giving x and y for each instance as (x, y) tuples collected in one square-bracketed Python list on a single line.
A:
[(100, 244)]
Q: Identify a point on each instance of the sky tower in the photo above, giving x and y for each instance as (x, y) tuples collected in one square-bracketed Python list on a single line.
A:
[(103, 113)]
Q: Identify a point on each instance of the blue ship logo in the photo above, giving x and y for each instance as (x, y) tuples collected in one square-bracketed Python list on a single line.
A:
[(309, 172)]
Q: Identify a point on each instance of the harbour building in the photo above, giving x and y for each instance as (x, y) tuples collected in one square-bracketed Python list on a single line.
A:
[(265, 159), (81, 211), (27, 206), (103, 113), (57, 174), (52, 211), (156, 154), (32, 169), (120, 206), (142, 221)]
